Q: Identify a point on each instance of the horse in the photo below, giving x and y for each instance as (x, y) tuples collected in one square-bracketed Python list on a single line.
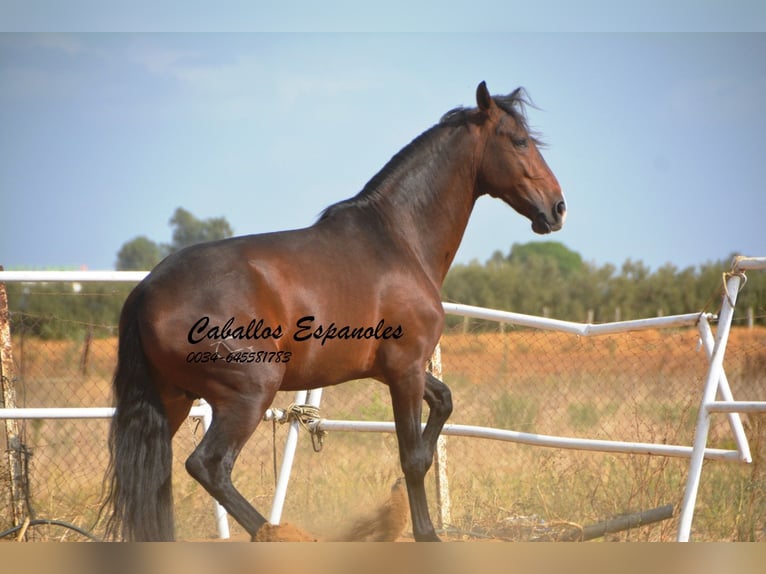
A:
[(355, 295)]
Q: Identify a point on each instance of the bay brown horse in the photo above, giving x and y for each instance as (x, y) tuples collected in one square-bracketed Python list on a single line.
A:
[(355, 295)]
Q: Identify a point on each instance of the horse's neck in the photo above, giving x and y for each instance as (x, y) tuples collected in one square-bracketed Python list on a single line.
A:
[(431, 198)]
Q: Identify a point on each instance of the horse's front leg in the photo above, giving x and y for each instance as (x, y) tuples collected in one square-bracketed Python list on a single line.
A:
[(439, 399), (416, 448)]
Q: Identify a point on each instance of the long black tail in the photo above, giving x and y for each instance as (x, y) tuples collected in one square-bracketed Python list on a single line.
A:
[(138, 478)]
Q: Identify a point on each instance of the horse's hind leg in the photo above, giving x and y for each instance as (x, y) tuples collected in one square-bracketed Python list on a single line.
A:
[(212, 461), (177, 406)]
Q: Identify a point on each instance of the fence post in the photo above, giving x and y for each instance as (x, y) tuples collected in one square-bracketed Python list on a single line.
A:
[(443, 505), (13, 435), (712, 384)]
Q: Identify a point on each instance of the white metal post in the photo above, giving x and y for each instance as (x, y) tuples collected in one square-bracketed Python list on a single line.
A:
[(735, 421), (443, 503), (714, 375), (291, 443), (311, 398)]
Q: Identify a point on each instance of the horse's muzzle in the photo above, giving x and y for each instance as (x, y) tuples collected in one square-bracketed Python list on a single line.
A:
[(546, 222)]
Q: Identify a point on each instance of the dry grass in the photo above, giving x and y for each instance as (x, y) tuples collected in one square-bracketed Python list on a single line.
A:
[(638, 386)]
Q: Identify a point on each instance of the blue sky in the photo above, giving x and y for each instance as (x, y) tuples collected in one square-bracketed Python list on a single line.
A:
[(656, 138)]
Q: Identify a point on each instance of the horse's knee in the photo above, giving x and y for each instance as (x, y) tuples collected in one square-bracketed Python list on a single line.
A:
[(439, 397), (445, 402), (207, 470), (416, 463), (196, 467)]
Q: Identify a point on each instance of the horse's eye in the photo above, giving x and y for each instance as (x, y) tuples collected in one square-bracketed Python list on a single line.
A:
[(520, 142)]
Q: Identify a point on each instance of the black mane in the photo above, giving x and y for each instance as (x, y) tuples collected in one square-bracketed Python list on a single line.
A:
[(513, 104)]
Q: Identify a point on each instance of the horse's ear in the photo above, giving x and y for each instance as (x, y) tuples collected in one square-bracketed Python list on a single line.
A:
[(483, 99)]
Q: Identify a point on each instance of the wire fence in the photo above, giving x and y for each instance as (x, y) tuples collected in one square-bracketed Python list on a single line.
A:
[(637, 386)]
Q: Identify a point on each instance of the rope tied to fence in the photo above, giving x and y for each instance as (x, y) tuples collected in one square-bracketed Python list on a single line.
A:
[(735, 272), (307, 416)]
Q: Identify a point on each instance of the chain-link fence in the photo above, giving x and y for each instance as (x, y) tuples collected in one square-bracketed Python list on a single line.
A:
[(637, 386)]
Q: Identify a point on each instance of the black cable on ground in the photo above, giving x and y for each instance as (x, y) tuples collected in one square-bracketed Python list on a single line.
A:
[(45, 521)]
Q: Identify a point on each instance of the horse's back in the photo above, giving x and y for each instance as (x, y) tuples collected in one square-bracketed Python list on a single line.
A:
[(298, 283), (316, 266)]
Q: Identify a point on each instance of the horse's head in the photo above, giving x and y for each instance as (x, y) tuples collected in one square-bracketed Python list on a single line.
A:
[(511, 166)]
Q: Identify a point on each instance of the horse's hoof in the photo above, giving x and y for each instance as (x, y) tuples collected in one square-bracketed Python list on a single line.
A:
[(429, 537)]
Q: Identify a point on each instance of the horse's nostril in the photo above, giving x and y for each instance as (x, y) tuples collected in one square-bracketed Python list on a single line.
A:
[(561, 207)]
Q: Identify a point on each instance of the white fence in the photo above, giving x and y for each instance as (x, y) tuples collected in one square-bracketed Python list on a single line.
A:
[(715, 383)]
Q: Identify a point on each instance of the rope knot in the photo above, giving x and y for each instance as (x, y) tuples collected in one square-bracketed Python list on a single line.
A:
[(735, 272), (307, 416)]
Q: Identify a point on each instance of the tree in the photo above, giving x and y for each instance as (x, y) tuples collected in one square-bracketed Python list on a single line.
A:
[(142, 253), (139, 254), (188, 230), (565, 259)]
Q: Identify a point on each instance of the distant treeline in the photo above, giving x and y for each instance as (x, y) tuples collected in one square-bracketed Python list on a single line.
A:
[(539, 278), (547, 278), (65, 310)]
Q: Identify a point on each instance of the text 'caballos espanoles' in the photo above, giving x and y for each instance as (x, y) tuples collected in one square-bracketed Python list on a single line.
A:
[(306, 329)]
